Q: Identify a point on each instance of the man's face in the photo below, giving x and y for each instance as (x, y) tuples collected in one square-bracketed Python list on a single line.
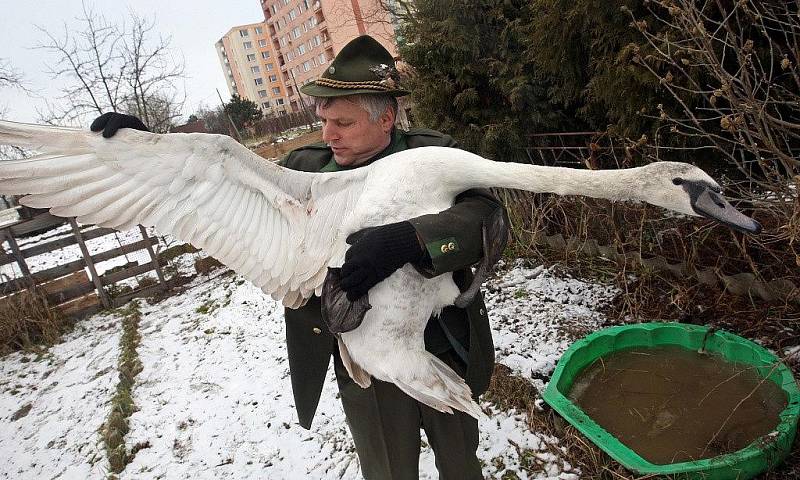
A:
[(346, 128)]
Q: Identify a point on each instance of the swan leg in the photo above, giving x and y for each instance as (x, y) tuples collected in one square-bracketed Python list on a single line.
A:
[(495, 239), (340, 314)]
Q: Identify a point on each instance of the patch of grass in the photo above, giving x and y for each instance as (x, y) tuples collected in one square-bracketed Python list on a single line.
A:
[(207, 307), (520, 293), (115, 427)]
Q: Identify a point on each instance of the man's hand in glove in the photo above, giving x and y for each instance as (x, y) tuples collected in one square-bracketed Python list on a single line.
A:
[(110, 122), (376, 253)]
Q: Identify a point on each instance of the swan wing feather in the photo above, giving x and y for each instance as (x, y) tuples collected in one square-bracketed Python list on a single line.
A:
[(277, 227)]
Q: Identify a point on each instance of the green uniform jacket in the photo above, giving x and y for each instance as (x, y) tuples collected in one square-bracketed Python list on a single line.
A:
[(453, 240)]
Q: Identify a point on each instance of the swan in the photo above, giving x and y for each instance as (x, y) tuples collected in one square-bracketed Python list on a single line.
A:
[(284, 230)]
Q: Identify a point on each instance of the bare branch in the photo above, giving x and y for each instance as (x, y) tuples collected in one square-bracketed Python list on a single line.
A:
[(739, 59), (108, 67)]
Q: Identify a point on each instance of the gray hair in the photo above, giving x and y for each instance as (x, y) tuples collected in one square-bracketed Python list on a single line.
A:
[(374, 104)]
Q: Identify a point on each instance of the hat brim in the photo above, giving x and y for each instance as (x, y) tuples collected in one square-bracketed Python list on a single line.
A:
[(314, 90)]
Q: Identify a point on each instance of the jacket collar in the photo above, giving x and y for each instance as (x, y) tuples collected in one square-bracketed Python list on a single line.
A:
[(397, 144)]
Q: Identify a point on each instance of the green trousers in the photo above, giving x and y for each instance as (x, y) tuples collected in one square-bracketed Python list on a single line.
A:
[(385, 424)]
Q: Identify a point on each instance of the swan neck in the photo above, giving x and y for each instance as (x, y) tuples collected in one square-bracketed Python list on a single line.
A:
[(608, 184)]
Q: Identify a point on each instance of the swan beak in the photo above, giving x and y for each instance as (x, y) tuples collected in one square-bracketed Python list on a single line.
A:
[(710, 204)]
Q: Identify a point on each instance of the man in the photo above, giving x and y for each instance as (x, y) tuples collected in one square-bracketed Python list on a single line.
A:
[(356, 101)]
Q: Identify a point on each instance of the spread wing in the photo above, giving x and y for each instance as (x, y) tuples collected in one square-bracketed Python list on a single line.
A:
[(279, 228)]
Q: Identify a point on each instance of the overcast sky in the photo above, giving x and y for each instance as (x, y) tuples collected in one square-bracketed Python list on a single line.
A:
[(195, 25)]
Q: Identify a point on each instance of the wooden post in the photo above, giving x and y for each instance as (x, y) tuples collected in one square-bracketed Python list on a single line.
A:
[(23, 267), (153, 257), (87, 258)]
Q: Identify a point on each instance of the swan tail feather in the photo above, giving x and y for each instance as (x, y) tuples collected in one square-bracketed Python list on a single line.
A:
[(358, 374), (435, 384)]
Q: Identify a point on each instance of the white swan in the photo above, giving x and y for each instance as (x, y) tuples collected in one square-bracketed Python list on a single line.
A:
[(282, 229)]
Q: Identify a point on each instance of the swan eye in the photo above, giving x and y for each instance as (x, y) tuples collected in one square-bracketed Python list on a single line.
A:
[(677, 181)]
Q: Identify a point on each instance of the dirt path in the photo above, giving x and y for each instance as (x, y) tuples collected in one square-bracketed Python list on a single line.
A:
[(276, 150)]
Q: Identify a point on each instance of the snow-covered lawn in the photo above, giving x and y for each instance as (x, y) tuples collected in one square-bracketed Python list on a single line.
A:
[(214, 397)]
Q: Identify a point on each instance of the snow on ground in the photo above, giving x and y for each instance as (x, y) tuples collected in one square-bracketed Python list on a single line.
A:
[(52, 406), (214, 397)]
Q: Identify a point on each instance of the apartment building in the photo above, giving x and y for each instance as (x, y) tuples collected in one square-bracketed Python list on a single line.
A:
[(249, 62), (307, 34)]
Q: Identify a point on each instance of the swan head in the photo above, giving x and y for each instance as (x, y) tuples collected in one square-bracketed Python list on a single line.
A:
[(686, 189)]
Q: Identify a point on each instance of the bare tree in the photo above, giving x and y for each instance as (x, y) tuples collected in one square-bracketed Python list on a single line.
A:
[(108, 67), (9, 76), (152, 76), (732, 68)]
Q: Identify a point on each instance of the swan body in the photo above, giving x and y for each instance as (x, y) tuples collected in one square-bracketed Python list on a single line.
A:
[(283, 229)]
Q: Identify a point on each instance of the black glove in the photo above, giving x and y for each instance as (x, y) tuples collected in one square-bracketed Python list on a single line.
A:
[(110, 122), (376, 253)]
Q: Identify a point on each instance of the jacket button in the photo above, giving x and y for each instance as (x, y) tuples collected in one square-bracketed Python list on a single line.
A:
[(481, 312), (451, 246), (445, 249), (316, 330)]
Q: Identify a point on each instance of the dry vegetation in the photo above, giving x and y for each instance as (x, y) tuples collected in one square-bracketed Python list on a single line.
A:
[(651, 295), (26, 321)]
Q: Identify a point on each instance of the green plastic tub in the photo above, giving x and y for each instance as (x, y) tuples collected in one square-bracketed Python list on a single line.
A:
[(762, 454)]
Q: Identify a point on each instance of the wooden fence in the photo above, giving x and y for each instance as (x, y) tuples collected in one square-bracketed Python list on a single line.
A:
[(277, 125), (74, 287)]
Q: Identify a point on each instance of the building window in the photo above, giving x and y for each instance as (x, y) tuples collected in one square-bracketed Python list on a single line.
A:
[(251, 57), (305, 4), (265, 55), (255, 69), (283, 41), (274, 8), (321, 58), (248, 45), (301, 49), (281, 23), (276, 90), (259, 81), (292, 14), (289, 56), (296, 32), (262, 43), (259, 31), (306, 66), (243, 33), (262, 93), (279, 101), (314, 42), (273, 78), (268, 66), (265, 105)]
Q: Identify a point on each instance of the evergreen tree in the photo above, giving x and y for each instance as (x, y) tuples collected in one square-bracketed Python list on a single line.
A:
[(589, 50), (242, 111), (476, 77)]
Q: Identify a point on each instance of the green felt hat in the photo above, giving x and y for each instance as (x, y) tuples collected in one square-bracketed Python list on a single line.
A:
[(362, 66)]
